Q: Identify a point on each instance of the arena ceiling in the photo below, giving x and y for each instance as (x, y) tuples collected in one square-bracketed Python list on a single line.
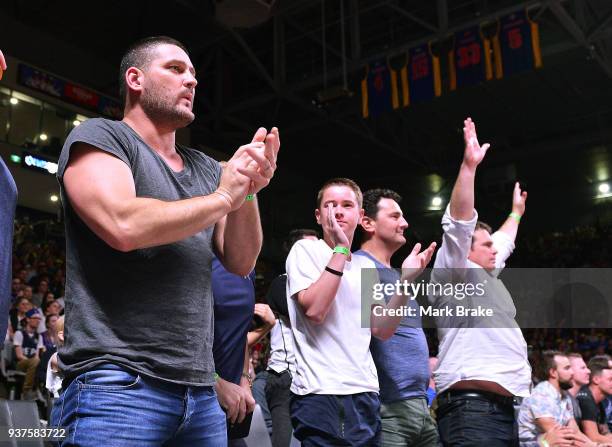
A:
[(550, 127)]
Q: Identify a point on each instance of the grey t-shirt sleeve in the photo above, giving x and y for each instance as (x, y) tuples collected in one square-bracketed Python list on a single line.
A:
[(101, 133)]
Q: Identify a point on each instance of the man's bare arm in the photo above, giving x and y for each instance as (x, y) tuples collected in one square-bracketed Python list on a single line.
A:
[(101, 189), (519, 199)]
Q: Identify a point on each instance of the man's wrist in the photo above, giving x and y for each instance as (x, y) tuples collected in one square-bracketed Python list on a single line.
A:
[(516, 216), (342, 250)]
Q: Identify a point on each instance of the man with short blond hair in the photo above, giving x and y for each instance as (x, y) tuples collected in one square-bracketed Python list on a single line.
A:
[(580, 377), (335, 388)]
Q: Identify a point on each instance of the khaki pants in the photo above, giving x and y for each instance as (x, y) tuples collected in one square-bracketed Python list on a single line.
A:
[(29, 366), (408, 423)]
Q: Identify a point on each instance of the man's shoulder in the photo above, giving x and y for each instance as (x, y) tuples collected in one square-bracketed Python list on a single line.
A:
[(585, 395)]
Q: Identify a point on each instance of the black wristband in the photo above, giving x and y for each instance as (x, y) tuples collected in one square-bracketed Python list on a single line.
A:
[(333, 272)]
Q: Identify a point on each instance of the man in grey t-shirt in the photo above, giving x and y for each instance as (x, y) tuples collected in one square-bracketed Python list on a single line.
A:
[(143, 216)]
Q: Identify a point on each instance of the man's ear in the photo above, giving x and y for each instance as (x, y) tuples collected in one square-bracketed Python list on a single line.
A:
[(318, 216), (134, 78), (368, 224)]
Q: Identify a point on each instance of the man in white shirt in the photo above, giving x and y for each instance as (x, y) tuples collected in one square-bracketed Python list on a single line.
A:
[(550, 403), (481, 367), (335, 388)]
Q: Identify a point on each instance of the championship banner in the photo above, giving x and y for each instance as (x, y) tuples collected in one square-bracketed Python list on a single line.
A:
[(470, 62), (379, 89), (424, 82), (519, 39)]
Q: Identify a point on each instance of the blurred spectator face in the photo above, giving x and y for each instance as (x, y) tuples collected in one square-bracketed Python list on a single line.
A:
[(22, 275), (24, 305), (580, 371), (255, 358), (51, 322), (42, 268), (15, 286), (54, 308), (43, 287), (33, 322), (27, 292), (483, 252), (563, 372), (49, 297), (604, 381)]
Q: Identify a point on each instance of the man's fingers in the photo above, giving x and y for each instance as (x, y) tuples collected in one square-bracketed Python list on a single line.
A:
[(232, 412), (260, 135), (250, 404), (254, 176), (486, 147), (241, 410), (416, 249), (266, 166)]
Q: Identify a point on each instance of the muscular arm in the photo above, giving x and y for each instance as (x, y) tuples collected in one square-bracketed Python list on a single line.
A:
[(510, 226), (101, 189), (546, 424)]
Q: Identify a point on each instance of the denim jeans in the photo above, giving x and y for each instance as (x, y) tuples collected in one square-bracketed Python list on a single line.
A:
[(112, 406), (470, 421), (279, 402), (321, 420)]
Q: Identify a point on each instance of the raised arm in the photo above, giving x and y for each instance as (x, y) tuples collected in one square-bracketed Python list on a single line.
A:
[(101, 189), (239, 244), (384, 324), (519, 199), (317, 299), (2, 64), (462, 198)]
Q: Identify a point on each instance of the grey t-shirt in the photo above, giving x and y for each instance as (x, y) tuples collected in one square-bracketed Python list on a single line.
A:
[(150, 309)]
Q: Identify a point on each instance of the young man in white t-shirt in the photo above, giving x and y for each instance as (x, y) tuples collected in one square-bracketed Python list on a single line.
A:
[(335, 388)]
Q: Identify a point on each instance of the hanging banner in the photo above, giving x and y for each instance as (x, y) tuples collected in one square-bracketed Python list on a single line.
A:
[(519, 39)]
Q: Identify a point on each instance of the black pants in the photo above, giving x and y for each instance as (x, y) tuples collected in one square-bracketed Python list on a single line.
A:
[(476, 419), (279, 399)]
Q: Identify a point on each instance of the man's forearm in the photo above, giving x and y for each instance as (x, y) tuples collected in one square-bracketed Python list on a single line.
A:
[(384, 325), (462, 198), (242, 238)]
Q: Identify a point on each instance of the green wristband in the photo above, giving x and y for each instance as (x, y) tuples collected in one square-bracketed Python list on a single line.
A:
[(338, 249), (515, 216), (249, 197), (216, 377)]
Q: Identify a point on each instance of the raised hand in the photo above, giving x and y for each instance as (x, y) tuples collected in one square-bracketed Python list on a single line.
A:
[(262, 166), (234, 186), (474, 152), (329, 223), (519, 198), (264, 312), (416, 261)]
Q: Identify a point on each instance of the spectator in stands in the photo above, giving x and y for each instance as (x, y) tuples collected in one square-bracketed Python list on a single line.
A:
[(18, 313), (234, 301), (52, 308), (53, 378), (591, 396), (549, 403), (281, 365), (41, 290), (27, 293), (402, 361), (8, 203), (484, 366), (26, 342), (140, 215), (16, 286), (335, 390), (580, 376)]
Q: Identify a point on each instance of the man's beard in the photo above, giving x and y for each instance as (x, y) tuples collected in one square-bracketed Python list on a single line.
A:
[(566, 385), (160, 107)]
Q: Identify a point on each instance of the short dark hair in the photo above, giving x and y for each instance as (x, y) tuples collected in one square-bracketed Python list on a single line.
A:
[(598, 364), (372, 196), (481, 226), (340, 181), (139, 55), (548, 363), (296, 235)]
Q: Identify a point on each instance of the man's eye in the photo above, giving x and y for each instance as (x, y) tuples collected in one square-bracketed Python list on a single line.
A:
[(175, 68)]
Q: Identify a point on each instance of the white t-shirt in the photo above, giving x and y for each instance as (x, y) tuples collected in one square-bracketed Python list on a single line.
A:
[(334, 356), (281, 347), (497, 353)]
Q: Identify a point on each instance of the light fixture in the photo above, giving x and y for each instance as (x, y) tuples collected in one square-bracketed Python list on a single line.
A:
[(76, 123), (604, 188), (15, 158), (14, 101), (436, 201), (54, 198), (43, 137)]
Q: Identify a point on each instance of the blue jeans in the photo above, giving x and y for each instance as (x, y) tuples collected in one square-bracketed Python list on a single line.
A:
[(112, 406), (476, 421), (321, 420)]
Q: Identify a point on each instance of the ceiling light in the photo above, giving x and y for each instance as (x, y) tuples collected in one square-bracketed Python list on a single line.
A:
[(436, 201), (604, 188), (14, 101), (54, 198), (76, 123), (43, 137)]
